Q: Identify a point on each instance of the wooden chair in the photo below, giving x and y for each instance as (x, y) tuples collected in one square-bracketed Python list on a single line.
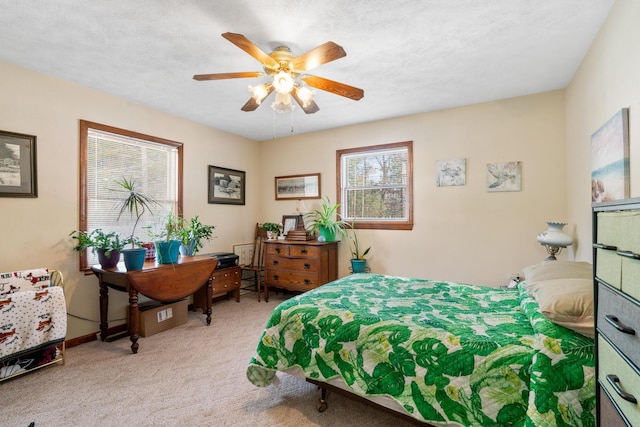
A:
[(257, 259)]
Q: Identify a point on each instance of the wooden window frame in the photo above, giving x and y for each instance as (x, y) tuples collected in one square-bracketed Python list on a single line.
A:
[(380, 225)]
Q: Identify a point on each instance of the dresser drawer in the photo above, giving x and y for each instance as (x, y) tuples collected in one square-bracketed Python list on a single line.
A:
[(612, 364), (304, 251), (609, 415), (291, 280), (226, 281), (297, 264), (280, 250), (616, 310)]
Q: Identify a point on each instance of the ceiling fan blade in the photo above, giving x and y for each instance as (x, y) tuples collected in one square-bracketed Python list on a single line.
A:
[(252, 104), (334, 87), (248, 46), (221, 76), (311, 107), (322, 54)]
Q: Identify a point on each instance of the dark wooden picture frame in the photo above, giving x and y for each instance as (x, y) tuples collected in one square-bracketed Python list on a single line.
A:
[(226, 186), (292, 222), (18, 173), (298, 186)]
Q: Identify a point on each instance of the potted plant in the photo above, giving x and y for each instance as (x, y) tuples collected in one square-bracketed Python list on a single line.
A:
[(136, 204), (326, 221), (191, 235), (168, 241), (358, 262), (108, 246), (272, 229)]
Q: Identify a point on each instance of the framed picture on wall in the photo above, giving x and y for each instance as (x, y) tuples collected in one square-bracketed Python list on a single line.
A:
[(226, 186), (504, 176), (17, 165), (298, 187), (610, 159)]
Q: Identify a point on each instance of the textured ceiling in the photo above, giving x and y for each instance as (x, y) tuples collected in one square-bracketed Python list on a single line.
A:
[(409, 56)]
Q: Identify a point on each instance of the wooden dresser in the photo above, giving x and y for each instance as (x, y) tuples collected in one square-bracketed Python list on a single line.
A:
[(225, 280), (616, 243), (299, 265)]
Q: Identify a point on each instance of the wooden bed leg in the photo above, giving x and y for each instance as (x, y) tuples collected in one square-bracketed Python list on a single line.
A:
[(323, 400)]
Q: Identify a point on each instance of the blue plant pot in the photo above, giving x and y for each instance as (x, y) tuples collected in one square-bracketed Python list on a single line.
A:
[(358, 265), (167, 252), (134, 258), (187, 250)]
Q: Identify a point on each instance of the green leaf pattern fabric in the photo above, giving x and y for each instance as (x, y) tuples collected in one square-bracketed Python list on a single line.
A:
[(448, 353)]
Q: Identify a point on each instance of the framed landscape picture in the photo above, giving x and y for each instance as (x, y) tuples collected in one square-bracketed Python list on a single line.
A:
[(17, 165), (610, 159), (226, 186), (298, 187)]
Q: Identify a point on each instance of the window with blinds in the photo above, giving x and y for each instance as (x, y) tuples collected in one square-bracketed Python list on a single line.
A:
[(108, 155), (375, 186)]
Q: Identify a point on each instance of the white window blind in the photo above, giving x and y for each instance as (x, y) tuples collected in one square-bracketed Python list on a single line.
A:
[(151, 165)]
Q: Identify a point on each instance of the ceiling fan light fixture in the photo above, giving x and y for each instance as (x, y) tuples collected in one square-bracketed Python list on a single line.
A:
[(305, 95), (283, 103), (259, 92), (283, 82)]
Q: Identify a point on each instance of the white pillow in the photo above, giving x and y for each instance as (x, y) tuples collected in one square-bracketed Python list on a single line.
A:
[(564, 292), (550, 270), (567, 302)]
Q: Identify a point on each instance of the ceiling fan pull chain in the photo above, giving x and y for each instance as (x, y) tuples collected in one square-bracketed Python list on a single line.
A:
[(291, 121)]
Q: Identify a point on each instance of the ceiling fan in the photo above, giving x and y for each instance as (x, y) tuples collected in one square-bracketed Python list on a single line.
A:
[(288, 75)]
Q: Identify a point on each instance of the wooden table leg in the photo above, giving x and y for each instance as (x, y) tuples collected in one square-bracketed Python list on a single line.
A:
[(133, 319), (104, 309), (266, 292), (209, 298)]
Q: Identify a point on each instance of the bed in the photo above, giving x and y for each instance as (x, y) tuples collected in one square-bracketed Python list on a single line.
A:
[(441, 353)]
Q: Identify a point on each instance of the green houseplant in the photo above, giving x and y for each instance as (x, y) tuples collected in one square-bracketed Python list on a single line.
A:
[(136, 204), (108, 246), (168, 241), (326, 221), (272, 229), (192, 233), (358, 261)]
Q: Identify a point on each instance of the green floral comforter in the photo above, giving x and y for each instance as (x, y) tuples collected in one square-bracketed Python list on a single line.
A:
[(448, 353)]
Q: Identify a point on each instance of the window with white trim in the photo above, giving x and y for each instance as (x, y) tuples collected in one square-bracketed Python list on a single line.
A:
[(110, 154), (375, 186)]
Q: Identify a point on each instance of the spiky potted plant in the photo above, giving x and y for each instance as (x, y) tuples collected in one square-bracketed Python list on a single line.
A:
[(136, 204), (358, 261), (326, 221)]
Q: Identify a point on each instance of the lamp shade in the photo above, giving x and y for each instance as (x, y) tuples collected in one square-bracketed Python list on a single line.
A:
[(554, 236)]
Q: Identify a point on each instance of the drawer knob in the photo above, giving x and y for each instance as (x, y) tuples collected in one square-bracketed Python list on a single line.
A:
[(277, 250), (605, 247), (307, 265), (276, 262), (613, 321), (276, 277), (307, 281), (304, 250), (615, 383)]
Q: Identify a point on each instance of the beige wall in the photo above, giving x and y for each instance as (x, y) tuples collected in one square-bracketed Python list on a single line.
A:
[(461, 233), (607, 80), (35, 231)]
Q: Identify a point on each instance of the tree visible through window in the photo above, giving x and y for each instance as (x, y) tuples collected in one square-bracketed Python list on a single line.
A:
[(109, 154), (375, 185)]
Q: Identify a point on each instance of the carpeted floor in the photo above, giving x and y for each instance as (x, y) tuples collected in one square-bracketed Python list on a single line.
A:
[(191, 375)]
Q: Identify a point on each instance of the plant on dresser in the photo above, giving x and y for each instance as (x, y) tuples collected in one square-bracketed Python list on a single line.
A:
[(616, 255), (326, 221)]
